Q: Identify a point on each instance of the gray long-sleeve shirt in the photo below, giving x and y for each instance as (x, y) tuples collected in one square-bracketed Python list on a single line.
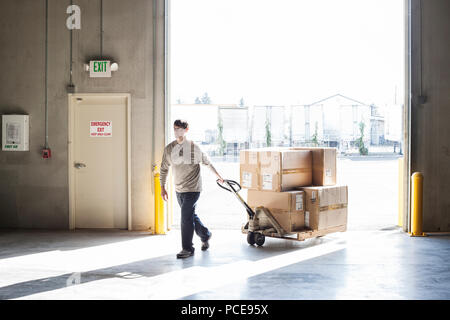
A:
[(185, 159)]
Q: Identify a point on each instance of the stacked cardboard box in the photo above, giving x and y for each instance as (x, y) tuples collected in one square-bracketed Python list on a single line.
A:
[(297, 185), (325, 207), (288, 208), (249, 170), (275, 169), (270, 174), (323, 165)]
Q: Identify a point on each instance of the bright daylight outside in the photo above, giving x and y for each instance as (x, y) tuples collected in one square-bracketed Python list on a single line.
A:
[(258, 73)]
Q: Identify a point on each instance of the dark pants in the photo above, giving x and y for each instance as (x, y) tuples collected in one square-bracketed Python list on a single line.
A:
[(189, 220)]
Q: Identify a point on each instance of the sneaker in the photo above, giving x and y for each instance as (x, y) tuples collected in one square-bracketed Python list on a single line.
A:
[(185, 253), (205, 244)]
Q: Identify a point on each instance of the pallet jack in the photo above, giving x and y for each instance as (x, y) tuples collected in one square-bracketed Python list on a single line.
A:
[(260, 222)]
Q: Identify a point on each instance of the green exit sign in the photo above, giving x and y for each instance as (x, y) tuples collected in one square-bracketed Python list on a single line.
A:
[(100, 69)]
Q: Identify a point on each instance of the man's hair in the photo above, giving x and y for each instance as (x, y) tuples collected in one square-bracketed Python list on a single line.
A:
[(181, 123)]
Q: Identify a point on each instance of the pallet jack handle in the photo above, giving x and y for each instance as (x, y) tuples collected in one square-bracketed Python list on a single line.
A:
[(231, 184)]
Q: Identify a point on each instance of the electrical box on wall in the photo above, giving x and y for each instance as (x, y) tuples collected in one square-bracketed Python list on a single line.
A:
[(15, 132)]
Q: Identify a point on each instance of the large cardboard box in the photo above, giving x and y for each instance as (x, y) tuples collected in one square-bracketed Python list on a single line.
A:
[(283, 170), (325, 207), (323, 165), (288, 208), (274, 169), (249, 169)]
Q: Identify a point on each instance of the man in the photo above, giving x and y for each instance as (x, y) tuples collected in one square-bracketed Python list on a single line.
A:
[(184, 157)]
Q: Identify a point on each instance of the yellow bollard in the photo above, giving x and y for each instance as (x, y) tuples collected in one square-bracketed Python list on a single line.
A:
[(417, 205), (400, 192), (159, 207)]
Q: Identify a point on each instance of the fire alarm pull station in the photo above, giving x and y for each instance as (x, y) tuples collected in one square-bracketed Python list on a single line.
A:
[(15, 132), (46, 153)]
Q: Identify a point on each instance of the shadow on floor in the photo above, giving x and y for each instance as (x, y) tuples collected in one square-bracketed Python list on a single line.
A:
[(223, 255), (18, 242)]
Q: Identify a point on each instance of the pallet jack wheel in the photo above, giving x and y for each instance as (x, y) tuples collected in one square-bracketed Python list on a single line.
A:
[(259, 239), (251, 238)]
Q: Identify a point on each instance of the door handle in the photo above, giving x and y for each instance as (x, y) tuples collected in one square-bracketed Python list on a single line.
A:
[(80, 165)]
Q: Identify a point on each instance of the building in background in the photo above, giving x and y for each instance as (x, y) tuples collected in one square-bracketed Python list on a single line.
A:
[(210, 136), (267, 126), (235, 132), (335, 121), (210, 122), (377, 123), (393, 133)]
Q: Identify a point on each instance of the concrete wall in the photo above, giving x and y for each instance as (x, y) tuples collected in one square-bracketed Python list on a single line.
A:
[(34, 191), (430, 129)]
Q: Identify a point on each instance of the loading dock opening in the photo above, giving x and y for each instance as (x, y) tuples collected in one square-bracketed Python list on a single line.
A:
[(381, 177)]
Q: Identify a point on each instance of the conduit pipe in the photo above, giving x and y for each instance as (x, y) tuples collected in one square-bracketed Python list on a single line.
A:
[(46, 75)]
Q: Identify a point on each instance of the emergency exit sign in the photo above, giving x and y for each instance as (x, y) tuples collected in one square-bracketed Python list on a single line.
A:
[(100, 128), (100, 69)]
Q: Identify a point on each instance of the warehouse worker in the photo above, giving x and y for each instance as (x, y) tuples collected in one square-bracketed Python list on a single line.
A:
[(184, 156)]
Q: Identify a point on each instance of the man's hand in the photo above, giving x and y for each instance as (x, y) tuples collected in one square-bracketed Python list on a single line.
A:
[(221, 180), (164, 194)]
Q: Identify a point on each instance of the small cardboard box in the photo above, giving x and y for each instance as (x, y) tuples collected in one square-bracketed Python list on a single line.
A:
[(325, 207), (323, 165), (249, 169), (288, 208), (283, 170)]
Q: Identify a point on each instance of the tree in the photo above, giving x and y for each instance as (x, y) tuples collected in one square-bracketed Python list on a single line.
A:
[(203, 100), (268, 134), (360, 141), (206, 99), (315, 139), (220, 141), (241, 102)]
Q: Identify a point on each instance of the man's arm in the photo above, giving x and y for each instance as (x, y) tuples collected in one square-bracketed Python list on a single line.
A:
[(207, 162), (163, 175)]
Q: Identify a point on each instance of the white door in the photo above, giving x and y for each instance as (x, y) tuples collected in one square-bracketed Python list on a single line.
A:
[(98, 160)]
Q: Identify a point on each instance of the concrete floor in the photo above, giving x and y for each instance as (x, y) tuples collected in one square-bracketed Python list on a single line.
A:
[(384, 264)]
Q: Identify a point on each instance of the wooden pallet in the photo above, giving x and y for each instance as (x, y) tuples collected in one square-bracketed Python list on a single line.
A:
[(307, 234), (302, 234)]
